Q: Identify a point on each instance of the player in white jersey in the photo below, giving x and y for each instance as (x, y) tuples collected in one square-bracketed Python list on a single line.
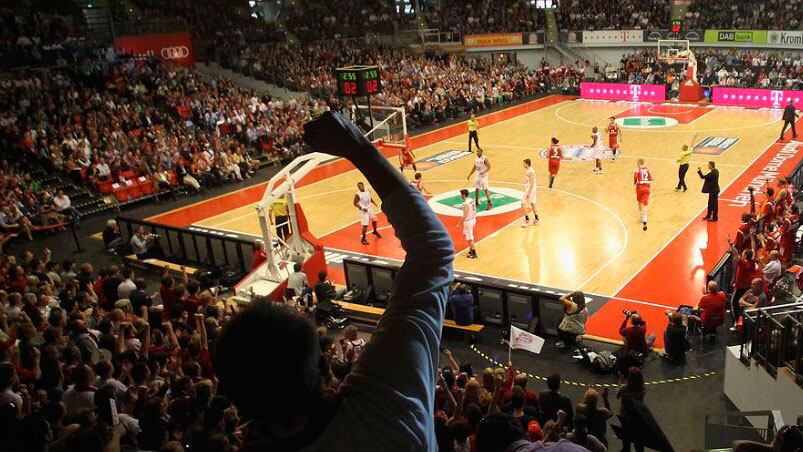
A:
[(597, 149), (468, 221), (418, 183), (482, 167), (528, 200), (365, 204)]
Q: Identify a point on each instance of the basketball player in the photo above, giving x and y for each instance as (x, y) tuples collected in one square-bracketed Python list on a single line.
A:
[(597, 149), (482, 167), (469, 219), (418, 182), (406, 158), (473, 125), (614, 137), (554, 154), (363, 202), (528, 200), (642, 180)]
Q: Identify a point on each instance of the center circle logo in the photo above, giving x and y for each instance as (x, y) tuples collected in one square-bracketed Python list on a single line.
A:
[(450, 203), (580, 153), (646, 122)]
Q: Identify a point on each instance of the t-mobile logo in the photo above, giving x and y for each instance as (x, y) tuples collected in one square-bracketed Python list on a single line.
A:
[(635, 91), (776, 97)]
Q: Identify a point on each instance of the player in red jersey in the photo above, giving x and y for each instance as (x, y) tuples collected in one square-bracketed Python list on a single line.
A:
[(406, 159), (614, 137), (642, 180), (418, 183), (554, 155)]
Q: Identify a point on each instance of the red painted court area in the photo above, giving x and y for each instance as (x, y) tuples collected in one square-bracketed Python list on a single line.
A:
[(677, 274)]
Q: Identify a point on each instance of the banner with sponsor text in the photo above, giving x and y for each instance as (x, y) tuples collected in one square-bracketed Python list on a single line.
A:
[(755, 97), (686, 35), (494, 40), (609, 37), (622, 91), (786, 39), (736, 36), (168, 47)]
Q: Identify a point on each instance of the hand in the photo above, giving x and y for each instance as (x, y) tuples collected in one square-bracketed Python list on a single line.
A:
[(447, 352), (333, 134), (699, 169), (561, 416)]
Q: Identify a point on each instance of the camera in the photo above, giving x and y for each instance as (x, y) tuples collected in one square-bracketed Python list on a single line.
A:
[(629, 313)]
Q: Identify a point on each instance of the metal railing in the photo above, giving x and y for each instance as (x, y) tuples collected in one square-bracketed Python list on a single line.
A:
[(196, 246), (772, 337), (722, 429)]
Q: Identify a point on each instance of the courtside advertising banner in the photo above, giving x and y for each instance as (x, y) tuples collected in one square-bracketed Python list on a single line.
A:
[(736, 36), (608, 37), (687, 35), (622, 91), (785, 39), (168, 47), (752, 97), (494, 40)]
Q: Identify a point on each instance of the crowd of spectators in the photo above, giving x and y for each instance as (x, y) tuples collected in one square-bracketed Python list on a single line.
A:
[(37, 38), (744, 14), (105, 122), (716, 67), (432, 88), (483, 16), (603, 15)]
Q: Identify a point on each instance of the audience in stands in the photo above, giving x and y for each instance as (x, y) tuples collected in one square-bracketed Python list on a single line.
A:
[(602, 15), (483, 16), (744, 14)]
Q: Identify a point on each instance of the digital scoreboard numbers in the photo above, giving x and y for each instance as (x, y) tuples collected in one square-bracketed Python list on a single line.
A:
[(676, 26), (358, 81)]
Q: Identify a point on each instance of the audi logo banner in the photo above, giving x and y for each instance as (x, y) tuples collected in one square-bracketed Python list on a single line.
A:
[(170, 47)]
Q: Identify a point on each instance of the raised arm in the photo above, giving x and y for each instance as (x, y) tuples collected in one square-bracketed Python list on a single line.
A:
[(400, 392)]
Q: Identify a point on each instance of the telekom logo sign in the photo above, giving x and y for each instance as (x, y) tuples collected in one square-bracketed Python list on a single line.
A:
[(622, 91), (752, 97), (635, 90)]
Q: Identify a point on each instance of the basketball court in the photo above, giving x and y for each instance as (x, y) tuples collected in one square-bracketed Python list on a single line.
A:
[(590, 236)]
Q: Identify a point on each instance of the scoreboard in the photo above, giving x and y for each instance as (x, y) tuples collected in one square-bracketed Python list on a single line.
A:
[(676, 26), (358, 81)]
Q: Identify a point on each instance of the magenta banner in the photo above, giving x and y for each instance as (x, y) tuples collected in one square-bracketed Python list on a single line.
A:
[(753, 97), (622, 91)]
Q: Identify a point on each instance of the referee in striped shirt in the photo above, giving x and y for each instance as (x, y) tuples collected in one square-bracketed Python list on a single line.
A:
[(472, 132)]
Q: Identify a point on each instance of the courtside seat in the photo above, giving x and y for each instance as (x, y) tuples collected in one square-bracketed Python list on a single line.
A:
[(132, 187), (105, 187), (145, 185), (132, 260), (120, 192), (372, 314)]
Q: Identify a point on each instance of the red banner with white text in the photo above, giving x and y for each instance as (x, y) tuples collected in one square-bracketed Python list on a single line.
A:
[(168, 47)]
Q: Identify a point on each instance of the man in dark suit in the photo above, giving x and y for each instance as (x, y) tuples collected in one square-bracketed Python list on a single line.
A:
[(711, 186), (789, 118)]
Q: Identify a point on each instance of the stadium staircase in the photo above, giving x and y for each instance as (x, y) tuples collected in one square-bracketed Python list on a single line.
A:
[(212, 70), (96, 23)]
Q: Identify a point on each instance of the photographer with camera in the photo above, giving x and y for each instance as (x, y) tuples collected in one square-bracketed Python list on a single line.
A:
[(635, 336), (145, 245), (675, 341)]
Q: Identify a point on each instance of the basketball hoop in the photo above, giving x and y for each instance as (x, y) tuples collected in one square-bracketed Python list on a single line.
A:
[(671, 59)]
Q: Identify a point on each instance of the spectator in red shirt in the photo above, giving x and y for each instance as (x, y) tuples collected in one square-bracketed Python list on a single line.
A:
[(745, 271), (712, 305)]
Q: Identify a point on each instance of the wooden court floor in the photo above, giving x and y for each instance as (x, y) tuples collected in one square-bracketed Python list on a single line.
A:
[(590, 236)]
